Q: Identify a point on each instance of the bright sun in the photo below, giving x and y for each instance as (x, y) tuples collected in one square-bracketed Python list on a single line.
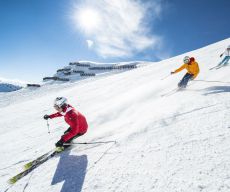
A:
[(88, 19)]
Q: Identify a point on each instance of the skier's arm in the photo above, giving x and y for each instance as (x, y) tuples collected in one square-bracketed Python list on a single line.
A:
[(55, 115), (180, 69)]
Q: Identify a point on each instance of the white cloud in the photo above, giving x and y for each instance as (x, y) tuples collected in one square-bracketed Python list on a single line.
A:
[(118, 28), (90, 43)]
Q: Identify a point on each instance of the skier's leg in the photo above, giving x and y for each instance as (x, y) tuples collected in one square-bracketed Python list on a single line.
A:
[(68, 130), (71, 139), (187, 79), (184, 81), (180, 84), (227, 58), (76, 136), (69, 135), (72, 134), (223, 61)]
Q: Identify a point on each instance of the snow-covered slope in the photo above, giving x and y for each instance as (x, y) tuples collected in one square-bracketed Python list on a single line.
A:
[(175, 143)]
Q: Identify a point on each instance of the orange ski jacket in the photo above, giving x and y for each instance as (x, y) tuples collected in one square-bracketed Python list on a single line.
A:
[(192, 68)]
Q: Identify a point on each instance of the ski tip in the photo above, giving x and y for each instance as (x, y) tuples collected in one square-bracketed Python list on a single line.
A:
[(28, 165), (12, 181)]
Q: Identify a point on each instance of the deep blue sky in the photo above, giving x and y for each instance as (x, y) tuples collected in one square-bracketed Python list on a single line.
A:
[(37, 36)]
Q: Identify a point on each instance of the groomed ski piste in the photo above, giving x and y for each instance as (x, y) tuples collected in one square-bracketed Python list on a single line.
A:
[(179, 142)]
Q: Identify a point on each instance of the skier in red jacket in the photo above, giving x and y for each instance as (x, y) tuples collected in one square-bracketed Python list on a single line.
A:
[(77, 121)]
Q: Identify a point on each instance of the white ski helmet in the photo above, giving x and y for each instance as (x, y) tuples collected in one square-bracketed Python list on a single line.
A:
[(186, 59), (60, 101)]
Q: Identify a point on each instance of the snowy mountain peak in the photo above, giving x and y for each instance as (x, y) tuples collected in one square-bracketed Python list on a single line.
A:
[(7, 85)]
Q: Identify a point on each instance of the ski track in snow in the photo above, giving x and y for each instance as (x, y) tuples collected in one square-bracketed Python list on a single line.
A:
[(176, 143)]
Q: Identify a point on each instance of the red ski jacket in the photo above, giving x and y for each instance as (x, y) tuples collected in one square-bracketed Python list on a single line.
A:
[(76, 121)]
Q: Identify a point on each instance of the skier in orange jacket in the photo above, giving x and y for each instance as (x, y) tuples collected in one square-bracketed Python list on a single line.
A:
[(192, 68)]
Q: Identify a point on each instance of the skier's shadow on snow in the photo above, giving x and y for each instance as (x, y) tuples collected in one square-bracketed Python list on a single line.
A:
[(72, 170), (216, 89)]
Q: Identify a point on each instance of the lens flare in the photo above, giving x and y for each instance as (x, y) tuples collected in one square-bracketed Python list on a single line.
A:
[(88, 19)]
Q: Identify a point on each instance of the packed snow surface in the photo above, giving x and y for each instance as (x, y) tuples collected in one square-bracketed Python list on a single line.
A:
[(179, 142)]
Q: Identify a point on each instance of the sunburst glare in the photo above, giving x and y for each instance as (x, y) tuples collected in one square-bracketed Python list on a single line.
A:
[(88, 19)]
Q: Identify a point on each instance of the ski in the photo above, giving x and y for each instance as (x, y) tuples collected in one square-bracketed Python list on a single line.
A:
[(212, 68), (29, 167), (31, 163), (171, 92), (36, 163), (215, 67)]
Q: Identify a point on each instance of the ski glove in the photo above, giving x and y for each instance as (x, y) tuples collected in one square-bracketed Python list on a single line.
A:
[(59, 143), (46, 117)]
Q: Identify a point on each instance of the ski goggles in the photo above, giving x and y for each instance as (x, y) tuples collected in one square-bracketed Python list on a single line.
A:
[(186, 61), (57, 107)]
